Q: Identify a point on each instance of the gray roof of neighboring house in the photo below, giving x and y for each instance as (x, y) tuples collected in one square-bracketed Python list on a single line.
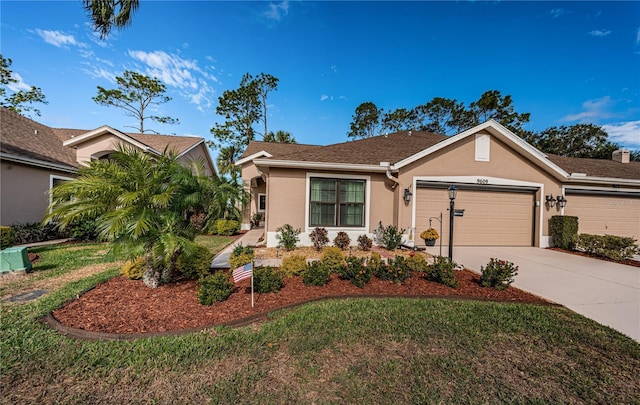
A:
[(18, 137), (395, 147)]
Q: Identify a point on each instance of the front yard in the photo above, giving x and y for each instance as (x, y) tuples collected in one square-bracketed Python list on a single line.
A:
[(360, 350)]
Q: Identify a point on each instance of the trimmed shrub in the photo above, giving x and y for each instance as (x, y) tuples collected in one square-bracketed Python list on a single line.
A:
[(333, 258), (355, 271), (293, 265), (287, 236), (396, 270), (227, 227), (417, 263), (364, 243), (317, 273), (392, 237), (375, 263), (36, 232), (342, 240), (266, 280), (214, 288), (442, 271), (498, 274), (134, 269), (610, 246), (236, 261), (7, 239), (84, 230), (195, 265), (564, 231), (239, 249), (319, 237)]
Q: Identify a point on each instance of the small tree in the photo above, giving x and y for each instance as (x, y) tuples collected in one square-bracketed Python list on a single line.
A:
[(20, 101)]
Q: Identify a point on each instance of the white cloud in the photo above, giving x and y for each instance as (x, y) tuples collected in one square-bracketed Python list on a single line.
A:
[(58, 38), (19, 85), (593, 111), (277, 10), (600, 33), (100, 73), (557, 12), (324, 97), (624, 133)]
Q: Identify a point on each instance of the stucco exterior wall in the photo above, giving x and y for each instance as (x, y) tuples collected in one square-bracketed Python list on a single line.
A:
[(96, 147), (199, 153), (23, 192)]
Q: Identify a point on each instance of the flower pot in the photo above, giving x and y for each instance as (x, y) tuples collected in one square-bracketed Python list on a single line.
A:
[(430, 242)]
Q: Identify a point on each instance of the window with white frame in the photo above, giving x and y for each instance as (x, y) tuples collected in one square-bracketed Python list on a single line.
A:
[(262, 202), (337, 202)]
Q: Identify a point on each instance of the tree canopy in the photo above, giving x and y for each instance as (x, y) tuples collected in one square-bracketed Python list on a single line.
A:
[(108, 14), (135, 94), (580, 140), (280, 137), (19, 101)]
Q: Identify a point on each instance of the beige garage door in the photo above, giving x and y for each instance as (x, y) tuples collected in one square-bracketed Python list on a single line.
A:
[(491, 218), (605, 215)]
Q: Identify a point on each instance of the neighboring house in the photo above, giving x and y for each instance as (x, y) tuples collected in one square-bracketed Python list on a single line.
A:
[(35, 157), (508, 189)]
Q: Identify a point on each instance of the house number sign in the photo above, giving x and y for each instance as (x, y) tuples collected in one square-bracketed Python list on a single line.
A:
[(482, 181)]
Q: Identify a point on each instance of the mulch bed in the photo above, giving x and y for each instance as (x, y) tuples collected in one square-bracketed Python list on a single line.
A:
[(123, 306), (628, 262)]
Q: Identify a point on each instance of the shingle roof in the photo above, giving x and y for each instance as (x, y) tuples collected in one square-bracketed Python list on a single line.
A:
[(26, 138), (598, 167)]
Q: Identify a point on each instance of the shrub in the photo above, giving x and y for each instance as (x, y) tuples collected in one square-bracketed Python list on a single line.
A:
[(442, 271), (317, 273), (239, 249), (293, 265), (333, 258), (133, 269), (266, 280), (342, 240), (7, 238), (237, 260), (36, 232), (198, 220), (564, 231), (498, 274), (227, 227), (355, 271), (195, 265), (397, 270), (417, 263), (429, 234), (288, 237), (392, 237), (364, 243), (609, 246), (319, 237), (214, 288), (84, 230)]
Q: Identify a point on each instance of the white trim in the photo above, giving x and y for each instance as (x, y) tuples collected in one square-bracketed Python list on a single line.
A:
[(367, 204), (321, 165), (265, 202), (53, 177), (190, 148), (251, 157), (212, 167), (36, 162), (578, 179), (105, 129), (483, 147), (491, 181), (608, 189)]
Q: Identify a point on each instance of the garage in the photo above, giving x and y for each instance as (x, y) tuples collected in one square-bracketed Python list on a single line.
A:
[(605, 213), (496, 216)]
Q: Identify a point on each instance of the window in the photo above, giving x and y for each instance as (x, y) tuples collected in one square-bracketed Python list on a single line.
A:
[(337, 202), (262, 202)]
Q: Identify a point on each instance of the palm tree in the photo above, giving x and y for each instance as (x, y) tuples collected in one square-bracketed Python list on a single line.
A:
[(227, 161), (104, 16), (139, 202)]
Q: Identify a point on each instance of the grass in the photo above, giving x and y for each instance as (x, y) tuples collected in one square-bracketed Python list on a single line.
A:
[(369, 351)]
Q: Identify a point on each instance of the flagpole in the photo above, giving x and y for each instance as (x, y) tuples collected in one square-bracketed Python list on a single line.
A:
[(251, 283)]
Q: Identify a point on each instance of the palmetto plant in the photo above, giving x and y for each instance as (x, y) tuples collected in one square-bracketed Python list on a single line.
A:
[(140, 203)]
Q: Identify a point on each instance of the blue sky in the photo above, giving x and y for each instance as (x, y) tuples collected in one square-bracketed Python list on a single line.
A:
[(563, 62)]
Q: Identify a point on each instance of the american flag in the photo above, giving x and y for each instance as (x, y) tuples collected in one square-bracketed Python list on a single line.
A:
[(243, 272)]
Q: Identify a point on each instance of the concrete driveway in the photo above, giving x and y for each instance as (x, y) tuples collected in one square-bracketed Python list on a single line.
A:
[(606, 292)]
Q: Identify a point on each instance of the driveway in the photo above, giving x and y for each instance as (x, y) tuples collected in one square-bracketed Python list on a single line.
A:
[(606, 292)]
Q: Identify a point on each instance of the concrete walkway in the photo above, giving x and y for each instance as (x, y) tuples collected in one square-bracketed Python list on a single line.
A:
[(250, 238), (606, 292)]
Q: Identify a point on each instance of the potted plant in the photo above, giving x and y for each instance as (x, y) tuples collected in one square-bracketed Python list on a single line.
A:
[(256, 219), (429, 236)]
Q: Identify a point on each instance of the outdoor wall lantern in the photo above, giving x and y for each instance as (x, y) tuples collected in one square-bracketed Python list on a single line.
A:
[(453, 192), (562, 202), (551, 201), (407, 195)]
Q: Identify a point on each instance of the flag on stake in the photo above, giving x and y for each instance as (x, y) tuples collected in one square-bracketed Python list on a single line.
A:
[(243, 272)]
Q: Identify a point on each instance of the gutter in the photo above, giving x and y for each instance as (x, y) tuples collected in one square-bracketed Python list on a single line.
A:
[(38, 163)]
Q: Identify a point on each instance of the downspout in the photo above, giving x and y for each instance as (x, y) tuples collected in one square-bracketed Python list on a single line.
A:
[(396, 182), (266, 208), (389, 176)]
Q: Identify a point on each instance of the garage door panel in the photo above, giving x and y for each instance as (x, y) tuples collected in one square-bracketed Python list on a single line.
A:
[(602, 215), (491, 218)]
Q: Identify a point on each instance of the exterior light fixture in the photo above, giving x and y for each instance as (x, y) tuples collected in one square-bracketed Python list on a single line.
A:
[(562, 201), (453, 192), (407, 195), (551, 201)]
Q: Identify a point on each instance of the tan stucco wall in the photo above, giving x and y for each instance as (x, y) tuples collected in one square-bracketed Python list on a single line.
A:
[(97, 147), (23, 192), (198, 153), (459, 160)]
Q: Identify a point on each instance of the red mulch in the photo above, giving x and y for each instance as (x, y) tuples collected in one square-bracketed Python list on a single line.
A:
[(628, 262), (126, 306)]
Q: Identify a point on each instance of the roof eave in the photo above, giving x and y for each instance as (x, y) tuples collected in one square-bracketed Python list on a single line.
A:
[(38, 163), (105, 129), (254, 156), (321, 165), (603, 180)]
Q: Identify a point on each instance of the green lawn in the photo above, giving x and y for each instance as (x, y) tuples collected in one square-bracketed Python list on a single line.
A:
[(365, 351)]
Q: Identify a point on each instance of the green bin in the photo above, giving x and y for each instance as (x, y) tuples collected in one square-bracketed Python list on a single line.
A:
[(14, 259)]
